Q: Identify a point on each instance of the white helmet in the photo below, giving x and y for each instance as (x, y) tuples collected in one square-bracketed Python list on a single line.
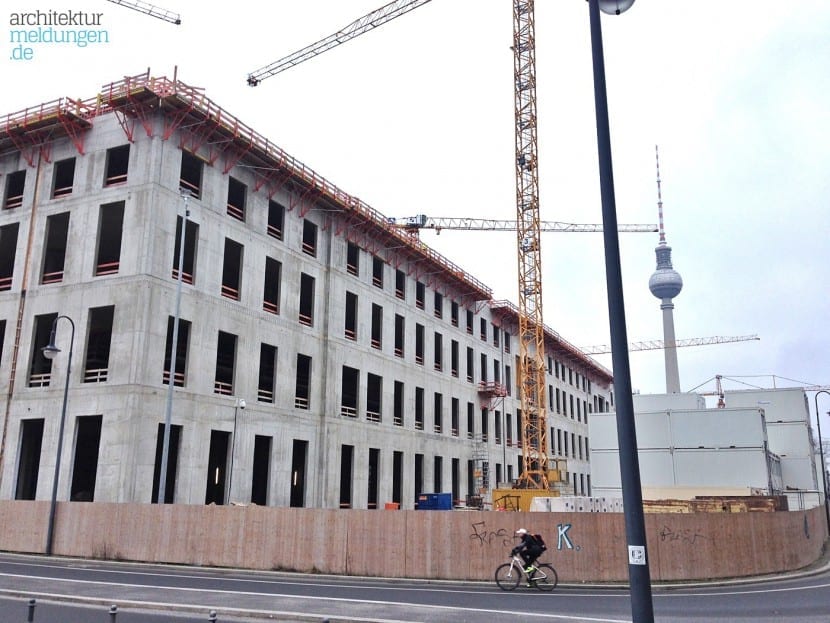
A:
[(521, 531)]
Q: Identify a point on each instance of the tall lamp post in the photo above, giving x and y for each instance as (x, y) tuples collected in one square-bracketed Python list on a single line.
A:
[(639, 580), (823, 465), (240, 404), (50, 351), (161, 498)]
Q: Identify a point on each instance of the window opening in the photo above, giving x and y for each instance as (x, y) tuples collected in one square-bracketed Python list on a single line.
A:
[(54, 257), (28, 467), (232, 270), (118, 159), (267, 373), (302, 394), (374, 391), (190, 176), (350, 328), (397, 404), (225, 364), (352, 258), (261, 468), (373, 478), (182, 341), (110, 230), (299, 460), (377, 326), (85, 463), (271, 288), (306, 316), (309, 238), (400, 335), (348, 393), (15, 183), (419, 408), (64, 178), (377, 272), (346, 457), (400, 284), (236, 199), (191, 235), (99, 338), (8, 251), (40, 370)]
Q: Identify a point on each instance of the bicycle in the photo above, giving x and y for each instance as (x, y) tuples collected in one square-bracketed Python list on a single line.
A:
[(510, 574)]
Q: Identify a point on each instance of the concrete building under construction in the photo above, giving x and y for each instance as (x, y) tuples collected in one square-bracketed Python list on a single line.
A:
[(323, 357)]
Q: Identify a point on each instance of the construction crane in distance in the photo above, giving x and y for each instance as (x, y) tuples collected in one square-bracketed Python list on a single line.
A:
[(658, 344), (531, 357), (361, 25), (151, 10), (413, 224)]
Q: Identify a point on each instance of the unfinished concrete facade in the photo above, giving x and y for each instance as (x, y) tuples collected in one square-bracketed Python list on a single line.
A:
[(372, 369)]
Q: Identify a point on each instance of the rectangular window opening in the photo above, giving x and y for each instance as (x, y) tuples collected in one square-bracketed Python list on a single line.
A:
[(302, 391), (309, 238), (191, 235), (182, 341), (232, 270), (267, 373), (236, 199), (350, 326), (40, 370), (352, 258), (190, 176), (374, 391), (8, 252), (99, 338), (15, 183), (306, 315), (64, 178), (54, 254), (225, 364), (377, 326), (349, 387), (276, 219), (118, 159), (271, 288), (110, 230)]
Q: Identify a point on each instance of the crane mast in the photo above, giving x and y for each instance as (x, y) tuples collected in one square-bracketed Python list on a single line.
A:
[(531, 328)]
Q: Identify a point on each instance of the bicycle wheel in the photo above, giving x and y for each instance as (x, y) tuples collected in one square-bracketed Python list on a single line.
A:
[(546, 578), (508, 576)]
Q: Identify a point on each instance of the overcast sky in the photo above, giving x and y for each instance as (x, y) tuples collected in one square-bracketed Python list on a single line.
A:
[(417, 118)]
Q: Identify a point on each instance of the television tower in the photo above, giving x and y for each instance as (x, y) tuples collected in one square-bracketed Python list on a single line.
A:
[(665, 283)]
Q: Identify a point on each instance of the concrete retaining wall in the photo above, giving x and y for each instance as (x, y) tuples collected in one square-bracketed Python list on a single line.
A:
[(415, 544)]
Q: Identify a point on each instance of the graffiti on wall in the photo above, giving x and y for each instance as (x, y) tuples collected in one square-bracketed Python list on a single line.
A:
[(503, 538), (684, 535)]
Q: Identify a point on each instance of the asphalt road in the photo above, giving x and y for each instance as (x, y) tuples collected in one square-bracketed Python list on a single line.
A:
[(82, 591)]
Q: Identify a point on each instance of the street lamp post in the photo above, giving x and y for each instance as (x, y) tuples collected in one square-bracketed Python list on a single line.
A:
[(240, 404), (639, 580), (50, 351), (823, 465), (161, 497)]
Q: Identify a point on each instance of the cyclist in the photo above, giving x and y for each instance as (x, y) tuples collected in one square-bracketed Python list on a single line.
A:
[(529, 549)]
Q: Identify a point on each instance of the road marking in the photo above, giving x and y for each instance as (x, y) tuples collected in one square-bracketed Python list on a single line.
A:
[(213, 591)]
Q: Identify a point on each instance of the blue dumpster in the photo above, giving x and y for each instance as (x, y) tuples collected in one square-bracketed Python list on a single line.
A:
[(435, 502)]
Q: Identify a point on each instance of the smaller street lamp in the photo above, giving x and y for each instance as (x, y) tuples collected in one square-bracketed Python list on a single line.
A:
[(50, 351)]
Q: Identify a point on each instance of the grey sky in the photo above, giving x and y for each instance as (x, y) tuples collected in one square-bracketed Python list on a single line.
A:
[(417, 117)]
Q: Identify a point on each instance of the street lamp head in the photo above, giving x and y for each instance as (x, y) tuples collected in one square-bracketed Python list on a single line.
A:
[(50, 351), (615, 7)]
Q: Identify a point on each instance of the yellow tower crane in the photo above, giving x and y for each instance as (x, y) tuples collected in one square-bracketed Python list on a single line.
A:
[(531, 372)]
